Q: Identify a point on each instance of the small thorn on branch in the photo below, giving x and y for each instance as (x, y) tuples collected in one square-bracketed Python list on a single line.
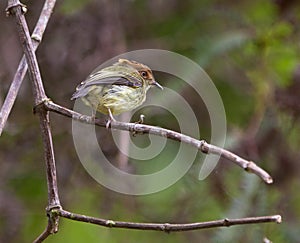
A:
[(166, 227), (110, 223), (226, 222)]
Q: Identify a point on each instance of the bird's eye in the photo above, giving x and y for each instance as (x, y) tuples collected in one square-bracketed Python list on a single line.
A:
[(144, 74)]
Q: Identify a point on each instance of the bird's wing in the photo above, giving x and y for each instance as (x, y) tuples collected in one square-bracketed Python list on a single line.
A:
[(105, 78)]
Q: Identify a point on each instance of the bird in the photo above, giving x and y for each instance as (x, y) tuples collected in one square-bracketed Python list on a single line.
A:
[(117, 88)]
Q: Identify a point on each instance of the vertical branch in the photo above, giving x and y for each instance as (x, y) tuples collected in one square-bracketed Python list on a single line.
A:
[(18, 9), (22, 68), (53, 198)]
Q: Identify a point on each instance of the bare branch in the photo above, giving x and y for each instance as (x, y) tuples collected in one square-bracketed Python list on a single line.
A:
[(249, 166), (203, 146), (22, 69), (166, 227), (53, 198), (18, 9), (43, 236)]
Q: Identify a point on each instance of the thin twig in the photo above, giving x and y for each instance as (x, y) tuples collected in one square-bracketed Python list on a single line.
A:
[(44, 235), (249, 166), (22, 68), (203, 146), (166, 227)]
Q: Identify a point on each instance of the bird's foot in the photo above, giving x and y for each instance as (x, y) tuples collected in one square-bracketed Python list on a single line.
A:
[(108, 122), (111, 118)]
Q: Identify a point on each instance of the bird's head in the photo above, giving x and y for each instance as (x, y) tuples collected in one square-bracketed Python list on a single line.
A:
[(144, 71)]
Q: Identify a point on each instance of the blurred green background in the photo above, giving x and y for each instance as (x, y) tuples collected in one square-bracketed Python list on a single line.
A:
[(250, 49)]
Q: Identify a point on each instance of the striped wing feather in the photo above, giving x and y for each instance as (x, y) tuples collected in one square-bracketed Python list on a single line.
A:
[(105, 78)]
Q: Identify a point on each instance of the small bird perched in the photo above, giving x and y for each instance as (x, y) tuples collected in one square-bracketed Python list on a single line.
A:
[(117, 88)]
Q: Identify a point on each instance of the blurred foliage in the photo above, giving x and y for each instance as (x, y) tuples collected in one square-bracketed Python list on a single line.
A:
[(250, 49)]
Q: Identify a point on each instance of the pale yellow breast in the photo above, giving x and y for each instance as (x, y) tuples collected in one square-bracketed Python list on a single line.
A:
[(117, 98)]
